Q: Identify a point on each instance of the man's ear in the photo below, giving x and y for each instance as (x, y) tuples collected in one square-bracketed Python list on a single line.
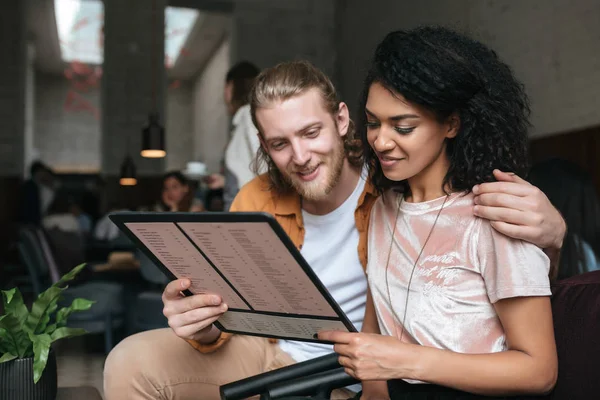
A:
[(342, 119), (453, 126)]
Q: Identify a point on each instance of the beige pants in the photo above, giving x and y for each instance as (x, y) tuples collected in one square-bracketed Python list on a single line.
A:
[(159, 365)]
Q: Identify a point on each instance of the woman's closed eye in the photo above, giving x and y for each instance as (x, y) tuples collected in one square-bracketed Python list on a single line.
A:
[(404, 130)]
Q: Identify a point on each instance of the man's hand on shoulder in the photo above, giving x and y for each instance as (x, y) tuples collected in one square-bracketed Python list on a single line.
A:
[(520, 210)]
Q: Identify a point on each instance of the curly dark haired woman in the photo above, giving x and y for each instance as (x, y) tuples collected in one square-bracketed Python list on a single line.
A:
[(465, 311)]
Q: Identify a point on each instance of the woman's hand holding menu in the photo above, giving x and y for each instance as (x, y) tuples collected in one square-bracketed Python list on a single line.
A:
[(192, 317)]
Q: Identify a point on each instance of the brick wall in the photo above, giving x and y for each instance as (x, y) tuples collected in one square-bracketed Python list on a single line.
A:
[(71, 140), (12, 86), (65, 140)]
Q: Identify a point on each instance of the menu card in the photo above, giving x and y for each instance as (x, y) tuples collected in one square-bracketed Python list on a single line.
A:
[(249, 261)]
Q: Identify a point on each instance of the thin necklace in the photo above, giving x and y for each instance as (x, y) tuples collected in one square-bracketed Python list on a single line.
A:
[(387, 264)]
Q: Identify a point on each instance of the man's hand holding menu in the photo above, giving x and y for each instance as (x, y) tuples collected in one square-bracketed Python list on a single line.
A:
[(192, 317)]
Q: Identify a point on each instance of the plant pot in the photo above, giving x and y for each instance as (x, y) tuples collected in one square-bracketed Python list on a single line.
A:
[(16, 380)]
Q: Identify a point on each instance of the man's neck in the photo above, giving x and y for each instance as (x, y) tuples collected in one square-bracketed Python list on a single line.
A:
[(340, 193)]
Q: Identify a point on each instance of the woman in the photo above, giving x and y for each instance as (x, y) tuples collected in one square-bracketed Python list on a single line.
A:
[(465, 311), (177, 194), (572, 191)]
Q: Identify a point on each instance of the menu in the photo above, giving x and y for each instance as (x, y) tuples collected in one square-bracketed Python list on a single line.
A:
[(249, 261)]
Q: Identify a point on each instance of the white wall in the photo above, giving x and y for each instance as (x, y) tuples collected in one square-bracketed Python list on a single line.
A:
[(179, 127), (210, 118), (552, 45)]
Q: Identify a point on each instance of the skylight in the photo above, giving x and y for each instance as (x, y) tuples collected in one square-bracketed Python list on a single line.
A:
[(178, 25), (80, 22)]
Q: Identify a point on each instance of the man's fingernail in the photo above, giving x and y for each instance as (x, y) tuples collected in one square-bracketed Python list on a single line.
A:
[(475, 209), (476, 189), (184, 283), (215, 300)]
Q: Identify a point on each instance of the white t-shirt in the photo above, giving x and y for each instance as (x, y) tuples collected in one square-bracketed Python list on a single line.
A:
[(331, 249)]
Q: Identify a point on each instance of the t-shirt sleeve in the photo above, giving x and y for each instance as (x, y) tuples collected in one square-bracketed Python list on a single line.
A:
[(511, 267)]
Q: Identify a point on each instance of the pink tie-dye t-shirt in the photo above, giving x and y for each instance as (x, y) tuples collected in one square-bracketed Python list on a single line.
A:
[(465, 267)]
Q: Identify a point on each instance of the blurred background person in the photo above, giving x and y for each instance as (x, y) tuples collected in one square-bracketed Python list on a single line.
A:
[(37, 193), (178, 195), (572, 191), (244, 142)]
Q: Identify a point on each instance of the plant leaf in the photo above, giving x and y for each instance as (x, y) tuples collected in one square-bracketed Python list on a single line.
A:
[(14, 305), (62, 333), (13, 338), (69, 275), (3, 339), (42, 308), (8, 295), (78, 304), (7, 357), (41, 349)]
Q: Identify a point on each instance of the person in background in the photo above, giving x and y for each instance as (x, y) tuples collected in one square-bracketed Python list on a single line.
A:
[(177, 194), (84, 220), (59, 215), (244, 142), (105, 229), (37, 193), (572, 191)]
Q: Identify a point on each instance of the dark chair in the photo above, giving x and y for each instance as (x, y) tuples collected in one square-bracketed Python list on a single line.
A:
[(105, 316), (576, 311), (147, 313)]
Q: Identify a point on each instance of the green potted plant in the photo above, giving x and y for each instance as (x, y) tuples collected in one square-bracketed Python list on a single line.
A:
[(27, 361)]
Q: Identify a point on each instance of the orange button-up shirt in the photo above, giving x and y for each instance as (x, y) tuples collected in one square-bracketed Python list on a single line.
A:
[(286, 208)]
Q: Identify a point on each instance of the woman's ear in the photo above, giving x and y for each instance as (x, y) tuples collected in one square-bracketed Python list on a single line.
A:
[(453, 126)]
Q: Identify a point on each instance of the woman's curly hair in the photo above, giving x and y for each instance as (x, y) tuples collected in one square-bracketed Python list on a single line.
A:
[(446, 73)]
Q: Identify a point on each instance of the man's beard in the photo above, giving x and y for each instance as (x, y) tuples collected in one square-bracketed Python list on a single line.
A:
[(320, 187)]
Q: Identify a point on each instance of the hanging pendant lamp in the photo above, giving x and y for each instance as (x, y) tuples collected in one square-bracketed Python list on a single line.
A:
[(153, 135), (153, 138), (128, 176)]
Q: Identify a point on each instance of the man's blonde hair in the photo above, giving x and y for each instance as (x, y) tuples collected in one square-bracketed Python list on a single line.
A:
[(287, 80)]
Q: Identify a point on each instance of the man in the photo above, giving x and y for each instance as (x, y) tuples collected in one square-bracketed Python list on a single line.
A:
[(316, 190), (244, 142)]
